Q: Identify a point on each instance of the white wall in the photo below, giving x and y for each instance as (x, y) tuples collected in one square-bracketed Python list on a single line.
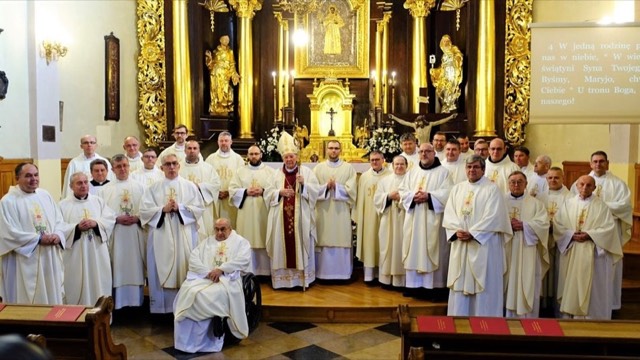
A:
[(15, 139)]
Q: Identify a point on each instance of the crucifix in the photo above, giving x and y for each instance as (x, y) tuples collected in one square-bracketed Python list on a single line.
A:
[(331, 112)]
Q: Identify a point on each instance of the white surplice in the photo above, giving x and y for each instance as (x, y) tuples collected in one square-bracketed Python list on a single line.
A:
[(200, 299), (368, 222), (31, 273), (81, 164), (425, 250), (390, 233), (253, 211), (128, 244), (172, 237), (527, 256), (586, 268), (457, 170), (476, 267), (208, 182), (87, 266), (178, 151), (334, 250), (226, 164), (147, 177), (499, 172), (304, 231)]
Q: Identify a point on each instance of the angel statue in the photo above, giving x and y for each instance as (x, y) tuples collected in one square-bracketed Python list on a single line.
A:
[(362, 136), (422, 126), (222, 69), (300, 134), (448, 77)]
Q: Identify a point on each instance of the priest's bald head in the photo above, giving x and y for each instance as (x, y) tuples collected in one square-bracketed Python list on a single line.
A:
[(222, 229), (497, 149), (254, 155), (586, 185)]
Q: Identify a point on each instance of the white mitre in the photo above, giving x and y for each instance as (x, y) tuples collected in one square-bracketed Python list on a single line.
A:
[(287, 144)]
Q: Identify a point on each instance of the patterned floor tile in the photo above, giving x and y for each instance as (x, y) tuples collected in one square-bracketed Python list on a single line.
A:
[(356, 342), (291, 327), (390, 328), (311, 352)]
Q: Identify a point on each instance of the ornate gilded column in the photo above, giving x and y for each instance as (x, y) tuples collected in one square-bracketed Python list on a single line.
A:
[(377, 83), (181, 69), (283, 47), (486, 70), (385, 60), (419, 10), (245, 9)]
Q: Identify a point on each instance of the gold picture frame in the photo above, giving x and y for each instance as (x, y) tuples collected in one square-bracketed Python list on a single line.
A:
[(338, 41), (111, 77)]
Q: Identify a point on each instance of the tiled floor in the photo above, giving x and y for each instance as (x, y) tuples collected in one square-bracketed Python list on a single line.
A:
[(151, 337)]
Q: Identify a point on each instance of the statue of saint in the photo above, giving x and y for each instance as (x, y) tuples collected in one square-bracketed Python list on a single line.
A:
[(421, 126), (332, 24), (222, 69), (447, 78)]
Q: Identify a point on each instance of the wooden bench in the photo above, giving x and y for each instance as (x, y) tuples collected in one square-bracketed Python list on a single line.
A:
[(582, 340), (89, 337)]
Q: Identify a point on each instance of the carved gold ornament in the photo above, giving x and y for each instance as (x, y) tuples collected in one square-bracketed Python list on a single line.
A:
[(151, 70), (214, 6), (517, 69)]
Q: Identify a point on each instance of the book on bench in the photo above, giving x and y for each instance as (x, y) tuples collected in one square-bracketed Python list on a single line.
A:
[(64, 313), (541, 327), (436, 324)]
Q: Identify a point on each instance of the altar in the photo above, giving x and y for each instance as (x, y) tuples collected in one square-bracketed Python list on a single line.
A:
[(331, 105)]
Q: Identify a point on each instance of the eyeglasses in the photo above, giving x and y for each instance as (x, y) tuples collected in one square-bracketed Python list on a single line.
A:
[(180, 133), (88, 143), (149, 156), (170, 163)]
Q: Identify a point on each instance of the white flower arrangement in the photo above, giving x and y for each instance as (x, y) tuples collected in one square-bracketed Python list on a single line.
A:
[(269, 145), (386, 141)]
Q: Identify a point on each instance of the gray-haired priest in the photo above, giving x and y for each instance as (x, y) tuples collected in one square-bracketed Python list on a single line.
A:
[(213, 292)]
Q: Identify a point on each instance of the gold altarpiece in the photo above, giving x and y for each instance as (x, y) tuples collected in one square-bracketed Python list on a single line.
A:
[(327, 95)]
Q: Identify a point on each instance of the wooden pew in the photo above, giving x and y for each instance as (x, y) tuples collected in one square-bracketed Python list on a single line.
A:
[(89, 337), (582, 340)]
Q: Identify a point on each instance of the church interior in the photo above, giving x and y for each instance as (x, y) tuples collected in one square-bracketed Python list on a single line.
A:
[(321, 70)]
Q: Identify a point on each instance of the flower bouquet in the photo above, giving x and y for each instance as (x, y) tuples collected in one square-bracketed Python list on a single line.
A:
[(269, 144), (386, 141)]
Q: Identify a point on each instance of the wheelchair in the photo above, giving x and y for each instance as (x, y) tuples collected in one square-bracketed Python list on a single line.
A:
[(252, 307)]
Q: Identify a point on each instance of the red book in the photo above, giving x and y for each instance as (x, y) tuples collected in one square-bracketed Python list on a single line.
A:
[(541, 327), (489, 326), (64, 313), (436, 324), (2, 306)]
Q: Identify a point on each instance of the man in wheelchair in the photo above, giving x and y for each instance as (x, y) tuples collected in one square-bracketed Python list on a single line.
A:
[(213, 292)]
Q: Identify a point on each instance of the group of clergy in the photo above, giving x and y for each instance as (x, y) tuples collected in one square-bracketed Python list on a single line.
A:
[(475, 224), (498, 235)]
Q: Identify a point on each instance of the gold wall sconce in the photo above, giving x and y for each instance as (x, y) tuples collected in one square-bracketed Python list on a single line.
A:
[(52, 50)]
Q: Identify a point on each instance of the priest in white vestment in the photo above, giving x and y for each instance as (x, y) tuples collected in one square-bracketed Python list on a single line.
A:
[(521, 159), (33, 237), (481, 148), (527, 253), (589, 244), (366, 218), (558, 193), (149, 173), (388, 203), (337, 196), (226, 162), (213, 289), (478, 226), (454, 162), (537, 185), (128, 243), (80, 163), (463, 140), (247, 192), (131, 147), (499, 166), (87, 267), (205, 177), (439, 141), (425, 250), (171, 208), (291, 228), (409, 145), (616, 194), (180, 134), (100, 175)]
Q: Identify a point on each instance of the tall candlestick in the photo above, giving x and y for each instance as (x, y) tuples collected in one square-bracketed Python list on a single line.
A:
[(293, 97), (275, 99), (393, 91)]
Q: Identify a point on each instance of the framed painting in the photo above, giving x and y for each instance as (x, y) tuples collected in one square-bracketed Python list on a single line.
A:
[(111, 78), (338, 41)]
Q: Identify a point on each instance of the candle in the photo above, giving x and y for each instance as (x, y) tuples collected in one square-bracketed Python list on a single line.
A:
[(393, 78), (373, 76), (273, 74), (293, 77)]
